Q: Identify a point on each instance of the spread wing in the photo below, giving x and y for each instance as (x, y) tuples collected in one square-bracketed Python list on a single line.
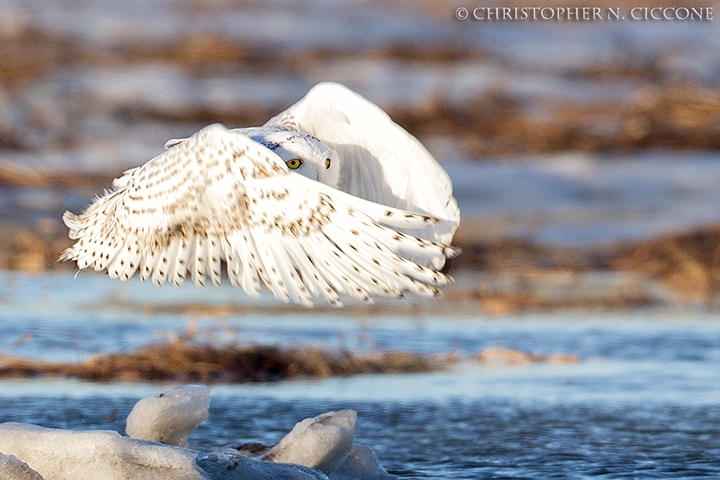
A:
[(380, 161), (221, 197)]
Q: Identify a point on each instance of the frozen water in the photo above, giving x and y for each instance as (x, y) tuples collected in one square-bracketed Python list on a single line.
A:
[(322, 442), (13, 469), (170, 416), (361, 464), (69, 455), (315, 447), (62, 454), (229, 464)]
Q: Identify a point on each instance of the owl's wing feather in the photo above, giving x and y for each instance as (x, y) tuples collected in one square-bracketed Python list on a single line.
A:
[(219, 196), (380, 161)]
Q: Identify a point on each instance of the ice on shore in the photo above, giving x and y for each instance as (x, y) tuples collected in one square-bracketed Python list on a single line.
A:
[(158, 427), (68, 455), (322, 442), (229, 464), (13, 469), (361, 463), (170, 416)]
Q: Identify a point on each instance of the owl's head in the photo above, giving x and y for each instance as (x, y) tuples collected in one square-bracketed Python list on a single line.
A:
[(304, 154)]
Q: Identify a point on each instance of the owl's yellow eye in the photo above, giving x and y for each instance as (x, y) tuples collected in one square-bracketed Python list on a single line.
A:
[(294, 163), (327, 163)]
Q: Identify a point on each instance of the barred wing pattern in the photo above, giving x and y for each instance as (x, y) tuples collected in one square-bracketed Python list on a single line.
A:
[(221, 197), (380, 161)]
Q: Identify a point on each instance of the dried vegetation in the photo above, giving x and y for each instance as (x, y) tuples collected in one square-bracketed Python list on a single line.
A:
[(185, 361), (666, 113)]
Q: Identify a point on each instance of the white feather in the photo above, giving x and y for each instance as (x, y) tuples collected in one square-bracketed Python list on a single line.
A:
[(380, 161), (220, 196), (198, 266), (214, 266)]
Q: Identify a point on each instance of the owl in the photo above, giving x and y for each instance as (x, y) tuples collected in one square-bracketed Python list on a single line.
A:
[(328, 198)]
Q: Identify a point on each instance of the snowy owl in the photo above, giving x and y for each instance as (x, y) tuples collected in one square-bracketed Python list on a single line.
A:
[(371, 212)]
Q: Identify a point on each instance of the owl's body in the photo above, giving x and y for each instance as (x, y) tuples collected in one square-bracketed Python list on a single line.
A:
[(235, 196)]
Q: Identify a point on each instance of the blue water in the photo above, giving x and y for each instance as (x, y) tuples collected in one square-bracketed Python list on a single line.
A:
[(495, 438), (642, 402)]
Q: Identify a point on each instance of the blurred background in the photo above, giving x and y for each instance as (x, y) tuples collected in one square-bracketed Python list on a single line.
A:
[(585, 157), (573, 145)]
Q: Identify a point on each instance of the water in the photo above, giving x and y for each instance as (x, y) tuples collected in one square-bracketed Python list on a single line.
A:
[(643, 402), (576, 199), (489, 438)]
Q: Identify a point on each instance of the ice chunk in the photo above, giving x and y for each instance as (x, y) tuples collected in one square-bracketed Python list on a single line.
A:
[(66, 455), (11, 468), (312, 450), (322, 442), (229, 464), (361, 464), (171, 416)]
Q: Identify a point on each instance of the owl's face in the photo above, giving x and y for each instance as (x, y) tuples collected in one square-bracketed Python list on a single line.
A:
[(305, 155)]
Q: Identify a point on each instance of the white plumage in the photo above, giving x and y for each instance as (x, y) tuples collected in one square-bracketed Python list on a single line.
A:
[(232, 196)]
